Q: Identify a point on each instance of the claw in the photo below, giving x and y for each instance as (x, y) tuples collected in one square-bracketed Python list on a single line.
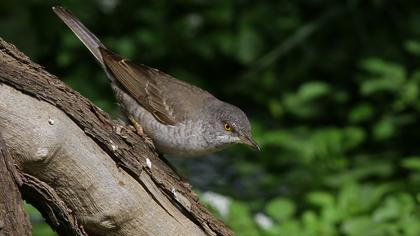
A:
[(140, 131), (137, 126)]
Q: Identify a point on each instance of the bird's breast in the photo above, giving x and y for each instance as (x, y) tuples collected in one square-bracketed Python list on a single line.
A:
[(184, 140)]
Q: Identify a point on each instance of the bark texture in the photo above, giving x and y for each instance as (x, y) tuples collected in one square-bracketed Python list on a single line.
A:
[(13, 220), (86, 173)]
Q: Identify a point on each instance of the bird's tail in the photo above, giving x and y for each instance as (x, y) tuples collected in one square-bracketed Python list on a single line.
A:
[(87, 37)]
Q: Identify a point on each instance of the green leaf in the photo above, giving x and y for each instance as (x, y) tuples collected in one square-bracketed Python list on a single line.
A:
[(240, 219), (286, 228), (412, 163), (280, 209), (395, 207), (304, 103), (384, 129), (413, 47), (382, 77), (313, 90), (361, 225), (321, 199), (360, 113)]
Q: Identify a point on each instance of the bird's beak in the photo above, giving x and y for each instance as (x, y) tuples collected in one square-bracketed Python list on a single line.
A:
[(245, 139)]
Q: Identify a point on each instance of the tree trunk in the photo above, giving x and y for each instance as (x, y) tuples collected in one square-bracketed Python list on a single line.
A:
[(86, 173)]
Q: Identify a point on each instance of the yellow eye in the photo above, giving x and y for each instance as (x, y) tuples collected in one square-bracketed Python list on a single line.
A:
[(228, 127)]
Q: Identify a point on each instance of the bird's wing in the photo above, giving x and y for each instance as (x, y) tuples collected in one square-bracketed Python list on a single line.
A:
[(161, 94), (156, 91)]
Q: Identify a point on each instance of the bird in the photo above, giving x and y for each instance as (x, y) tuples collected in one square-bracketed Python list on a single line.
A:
[(181, 119)]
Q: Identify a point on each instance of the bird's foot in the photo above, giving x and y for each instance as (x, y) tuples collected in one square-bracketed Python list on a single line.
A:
[(140, 131), (137, 126)]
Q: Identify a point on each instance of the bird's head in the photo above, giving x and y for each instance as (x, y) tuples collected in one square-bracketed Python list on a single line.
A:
[(230, 125)]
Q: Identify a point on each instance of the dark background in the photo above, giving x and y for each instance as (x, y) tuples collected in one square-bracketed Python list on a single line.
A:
[(331, 89)]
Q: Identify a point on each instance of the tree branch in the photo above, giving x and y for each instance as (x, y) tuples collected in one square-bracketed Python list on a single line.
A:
[(13, 220), (91, 174)]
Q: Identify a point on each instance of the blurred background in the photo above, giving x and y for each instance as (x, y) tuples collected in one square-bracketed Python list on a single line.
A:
[(331, 88)]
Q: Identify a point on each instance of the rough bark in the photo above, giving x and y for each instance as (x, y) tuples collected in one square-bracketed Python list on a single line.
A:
[(86, 173), (13, 220)]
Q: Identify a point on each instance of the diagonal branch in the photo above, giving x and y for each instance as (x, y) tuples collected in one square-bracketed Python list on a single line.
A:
[(96, 167)]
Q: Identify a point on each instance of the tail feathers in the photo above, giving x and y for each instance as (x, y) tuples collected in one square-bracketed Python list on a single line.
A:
[(87, 37)]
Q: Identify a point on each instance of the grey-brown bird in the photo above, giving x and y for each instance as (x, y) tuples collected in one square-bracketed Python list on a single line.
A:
[(181, 119)]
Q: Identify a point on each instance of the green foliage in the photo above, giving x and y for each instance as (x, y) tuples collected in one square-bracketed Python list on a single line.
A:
[(331, 88), (39, 227), (240, 219), (355, 210), (280, 209)]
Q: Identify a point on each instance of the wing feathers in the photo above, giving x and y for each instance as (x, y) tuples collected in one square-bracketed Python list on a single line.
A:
[(141, 84), (140, 81)]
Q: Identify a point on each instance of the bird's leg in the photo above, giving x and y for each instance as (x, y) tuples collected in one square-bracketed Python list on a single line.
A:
[(140, 131), (136, 125)]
